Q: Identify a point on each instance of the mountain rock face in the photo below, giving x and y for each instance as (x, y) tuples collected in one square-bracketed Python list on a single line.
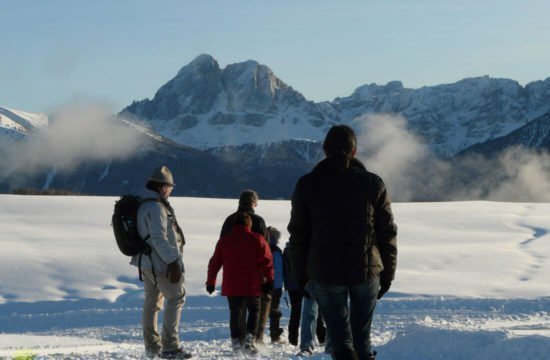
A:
[(205, 106), (274, 168), (534, 136), (224, 130), (452, 117)]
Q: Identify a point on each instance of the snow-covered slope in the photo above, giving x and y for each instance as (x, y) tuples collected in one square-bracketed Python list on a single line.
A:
[(471, 282), (68, 237), (535, 135), (15, 124)]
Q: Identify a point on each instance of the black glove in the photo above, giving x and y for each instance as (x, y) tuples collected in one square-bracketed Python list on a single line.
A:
[(267, 287), (173, 272), (210, 289), (384, 287)]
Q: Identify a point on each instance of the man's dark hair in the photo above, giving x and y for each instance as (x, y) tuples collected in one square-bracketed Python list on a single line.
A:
[(340, 142), (248, 198), (243, 218)]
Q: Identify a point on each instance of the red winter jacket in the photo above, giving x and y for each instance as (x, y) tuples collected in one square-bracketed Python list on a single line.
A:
[(246, 260)]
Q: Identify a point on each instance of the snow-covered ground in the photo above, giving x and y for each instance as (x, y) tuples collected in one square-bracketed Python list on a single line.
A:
[(472, 282)]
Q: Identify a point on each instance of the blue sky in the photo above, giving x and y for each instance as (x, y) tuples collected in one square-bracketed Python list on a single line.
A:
[(123, 50)]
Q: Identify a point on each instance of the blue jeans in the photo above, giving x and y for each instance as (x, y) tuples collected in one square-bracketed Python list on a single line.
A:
[(348, 326), (309, 326)]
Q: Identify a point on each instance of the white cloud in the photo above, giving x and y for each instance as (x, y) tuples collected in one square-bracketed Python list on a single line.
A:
[(411, 172), (78, 132)]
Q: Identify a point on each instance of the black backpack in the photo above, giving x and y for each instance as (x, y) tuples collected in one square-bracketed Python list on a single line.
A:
[(124, 222)]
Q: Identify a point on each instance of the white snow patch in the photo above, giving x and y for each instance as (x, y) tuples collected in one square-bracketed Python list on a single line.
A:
[(471, 281)]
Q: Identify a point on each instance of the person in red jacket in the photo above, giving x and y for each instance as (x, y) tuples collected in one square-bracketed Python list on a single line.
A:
[(247, 273)]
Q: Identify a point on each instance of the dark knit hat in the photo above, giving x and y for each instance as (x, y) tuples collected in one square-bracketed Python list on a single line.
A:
[(248, 198), (162, 176)]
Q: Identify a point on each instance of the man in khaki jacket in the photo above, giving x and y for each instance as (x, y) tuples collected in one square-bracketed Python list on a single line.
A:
[(163, 270)]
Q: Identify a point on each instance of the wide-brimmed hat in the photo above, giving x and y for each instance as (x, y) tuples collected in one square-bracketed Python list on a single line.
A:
[(162, 175)]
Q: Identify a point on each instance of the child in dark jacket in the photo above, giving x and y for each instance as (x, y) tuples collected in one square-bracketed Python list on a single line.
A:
[(247, 273), (275, 330)]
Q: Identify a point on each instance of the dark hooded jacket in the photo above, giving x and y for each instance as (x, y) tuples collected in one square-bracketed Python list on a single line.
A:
[(341, 227), (258, 223)]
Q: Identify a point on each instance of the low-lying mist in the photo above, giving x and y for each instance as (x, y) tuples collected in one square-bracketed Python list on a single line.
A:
[(77, 132), (412, 173), (87, 131)]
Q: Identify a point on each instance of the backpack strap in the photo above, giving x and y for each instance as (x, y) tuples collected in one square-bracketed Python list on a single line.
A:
[(171, 211)]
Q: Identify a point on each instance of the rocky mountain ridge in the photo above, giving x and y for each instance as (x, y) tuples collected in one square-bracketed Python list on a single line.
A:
[(222, 130), (206, 107), (534, 135)]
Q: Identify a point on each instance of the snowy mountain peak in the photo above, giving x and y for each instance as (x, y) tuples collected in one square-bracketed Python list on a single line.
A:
[(203, 60), (252, 86), (205, 106), (486, 85), (16, 123), (251, 73), (194, 90), (203, 63), (374, 89), (452, 117)]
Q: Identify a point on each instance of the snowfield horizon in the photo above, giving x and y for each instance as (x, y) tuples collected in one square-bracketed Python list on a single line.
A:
[(471, 282)]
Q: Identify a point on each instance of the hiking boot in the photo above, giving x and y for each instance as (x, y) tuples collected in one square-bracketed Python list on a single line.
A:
[(293, 337), (152, 354), (176, 354), (276, 336), (279, 340), (249, 344), (305, 353), (259, 339), (236, 345)]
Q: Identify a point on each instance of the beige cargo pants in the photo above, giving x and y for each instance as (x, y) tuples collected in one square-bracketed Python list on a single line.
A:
[(173, 297)]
